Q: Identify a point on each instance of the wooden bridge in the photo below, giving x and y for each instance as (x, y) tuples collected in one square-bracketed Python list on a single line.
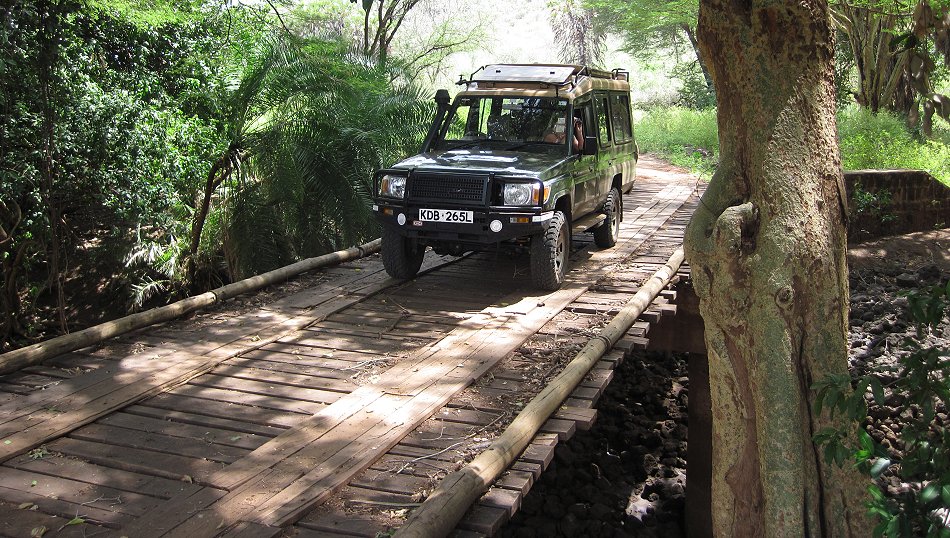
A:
[(331, 405)]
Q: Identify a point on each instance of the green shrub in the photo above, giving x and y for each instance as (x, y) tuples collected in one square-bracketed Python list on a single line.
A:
[(685, 137), (689, 138), (882, 141)]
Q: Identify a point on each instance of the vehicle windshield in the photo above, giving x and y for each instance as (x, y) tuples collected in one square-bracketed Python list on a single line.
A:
[(533, 124)]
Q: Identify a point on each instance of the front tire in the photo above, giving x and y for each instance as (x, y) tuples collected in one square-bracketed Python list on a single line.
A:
[(549, 253), (605, 235), (402, 257)]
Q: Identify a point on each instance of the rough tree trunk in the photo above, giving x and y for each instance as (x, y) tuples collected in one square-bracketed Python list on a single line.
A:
[(767, 249)]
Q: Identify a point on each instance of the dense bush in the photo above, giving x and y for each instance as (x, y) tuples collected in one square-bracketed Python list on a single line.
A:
[(881, 140), (122, 126), (687, 137)]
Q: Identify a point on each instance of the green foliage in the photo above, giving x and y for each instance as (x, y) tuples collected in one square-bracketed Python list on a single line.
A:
[(882, 141), (922, 388), (696, 93), (660, 29), (109, 114), (689, 138), (309, 123), (686, 137), (874, 204), (648, 26)]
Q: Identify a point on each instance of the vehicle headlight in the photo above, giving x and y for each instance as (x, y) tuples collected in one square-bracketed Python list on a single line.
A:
[(392, 186), (520, 194)]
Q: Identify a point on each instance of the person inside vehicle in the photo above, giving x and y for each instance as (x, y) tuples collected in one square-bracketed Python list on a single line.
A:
[(557, 134)]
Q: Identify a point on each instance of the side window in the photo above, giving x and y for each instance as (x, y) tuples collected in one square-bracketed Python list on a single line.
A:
[(603, 121), (620, 114), (582, 112)]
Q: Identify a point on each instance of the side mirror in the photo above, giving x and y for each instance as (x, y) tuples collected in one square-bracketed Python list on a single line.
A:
[(590, 145)]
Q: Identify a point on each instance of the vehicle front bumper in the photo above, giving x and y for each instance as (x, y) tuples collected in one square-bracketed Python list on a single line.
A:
[(513, 224)]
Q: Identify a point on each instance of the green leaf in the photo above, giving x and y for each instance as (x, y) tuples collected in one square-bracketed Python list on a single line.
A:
[(945, 494), (866, 442), (876, 493), (893, 527), (929, 493), (877, 389), (879, 467), (75, 521)]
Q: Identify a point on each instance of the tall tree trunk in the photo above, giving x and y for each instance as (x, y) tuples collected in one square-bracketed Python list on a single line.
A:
[(219, 172), (691, 35), (767, 249), (46, 64)]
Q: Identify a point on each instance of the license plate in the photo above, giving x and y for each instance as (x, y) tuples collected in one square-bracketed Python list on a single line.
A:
[(446, 215)]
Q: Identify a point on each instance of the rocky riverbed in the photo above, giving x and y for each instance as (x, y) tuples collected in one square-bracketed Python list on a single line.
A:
[(627, 476)]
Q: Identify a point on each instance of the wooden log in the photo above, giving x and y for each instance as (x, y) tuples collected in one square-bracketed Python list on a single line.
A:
[(37, 353), (446, 506)]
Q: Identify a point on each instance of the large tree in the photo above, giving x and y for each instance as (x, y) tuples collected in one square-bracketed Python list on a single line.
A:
[(767, 249)]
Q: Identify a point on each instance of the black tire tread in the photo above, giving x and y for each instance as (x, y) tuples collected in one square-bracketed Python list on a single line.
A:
[(544, 275), (604, 235), (401, 258)]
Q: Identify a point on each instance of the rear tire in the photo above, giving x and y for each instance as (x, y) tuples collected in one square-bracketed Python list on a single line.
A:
[(605, 235), (402, 257), (549, 253)]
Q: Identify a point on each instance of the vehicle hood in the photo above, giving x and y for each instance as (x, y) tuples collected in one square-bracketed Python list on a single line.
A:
[(505, 162)]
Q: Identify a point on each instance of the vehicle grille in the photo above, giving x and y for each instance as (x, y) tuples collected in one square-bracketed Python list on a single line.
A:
[(468, 190)]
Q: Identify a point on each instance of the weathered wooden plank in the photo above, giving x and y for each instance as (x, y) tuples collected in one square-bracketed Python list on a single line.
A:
[(18, 522), (428, 469), (138, 460), (538, 453), (64, 509), (231, 393), (333, 359), (303, 367), (92, 473), (245, 529), (31, 430), (468, 416), (97, 497), (484, 519), (350, 343), (166, 516), (177, 446), (564, 429), (404, 484), (506, 499), (341, 523), (583, 418), (205, 434), (207, 421), (251, 414), (520, 481), (534, 469), (248, 371)]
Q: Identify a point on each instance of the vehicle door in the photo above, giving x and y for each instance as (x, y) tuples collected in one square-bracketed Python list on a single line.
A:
[(621, 156), (605, 141), (585, 167)]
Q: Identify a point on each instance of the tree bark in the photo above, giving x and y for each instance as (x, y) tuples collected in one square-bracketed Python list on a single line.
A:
[(218, 173), (767, 249)]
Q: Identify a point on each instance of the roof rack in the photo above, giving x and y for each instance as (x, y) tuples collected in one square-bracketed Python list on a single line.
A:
[(556, 75)]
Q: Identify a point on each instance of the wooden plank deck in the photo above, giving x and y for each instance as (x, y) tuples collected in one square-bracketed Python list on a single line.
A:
[(357, 386)]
